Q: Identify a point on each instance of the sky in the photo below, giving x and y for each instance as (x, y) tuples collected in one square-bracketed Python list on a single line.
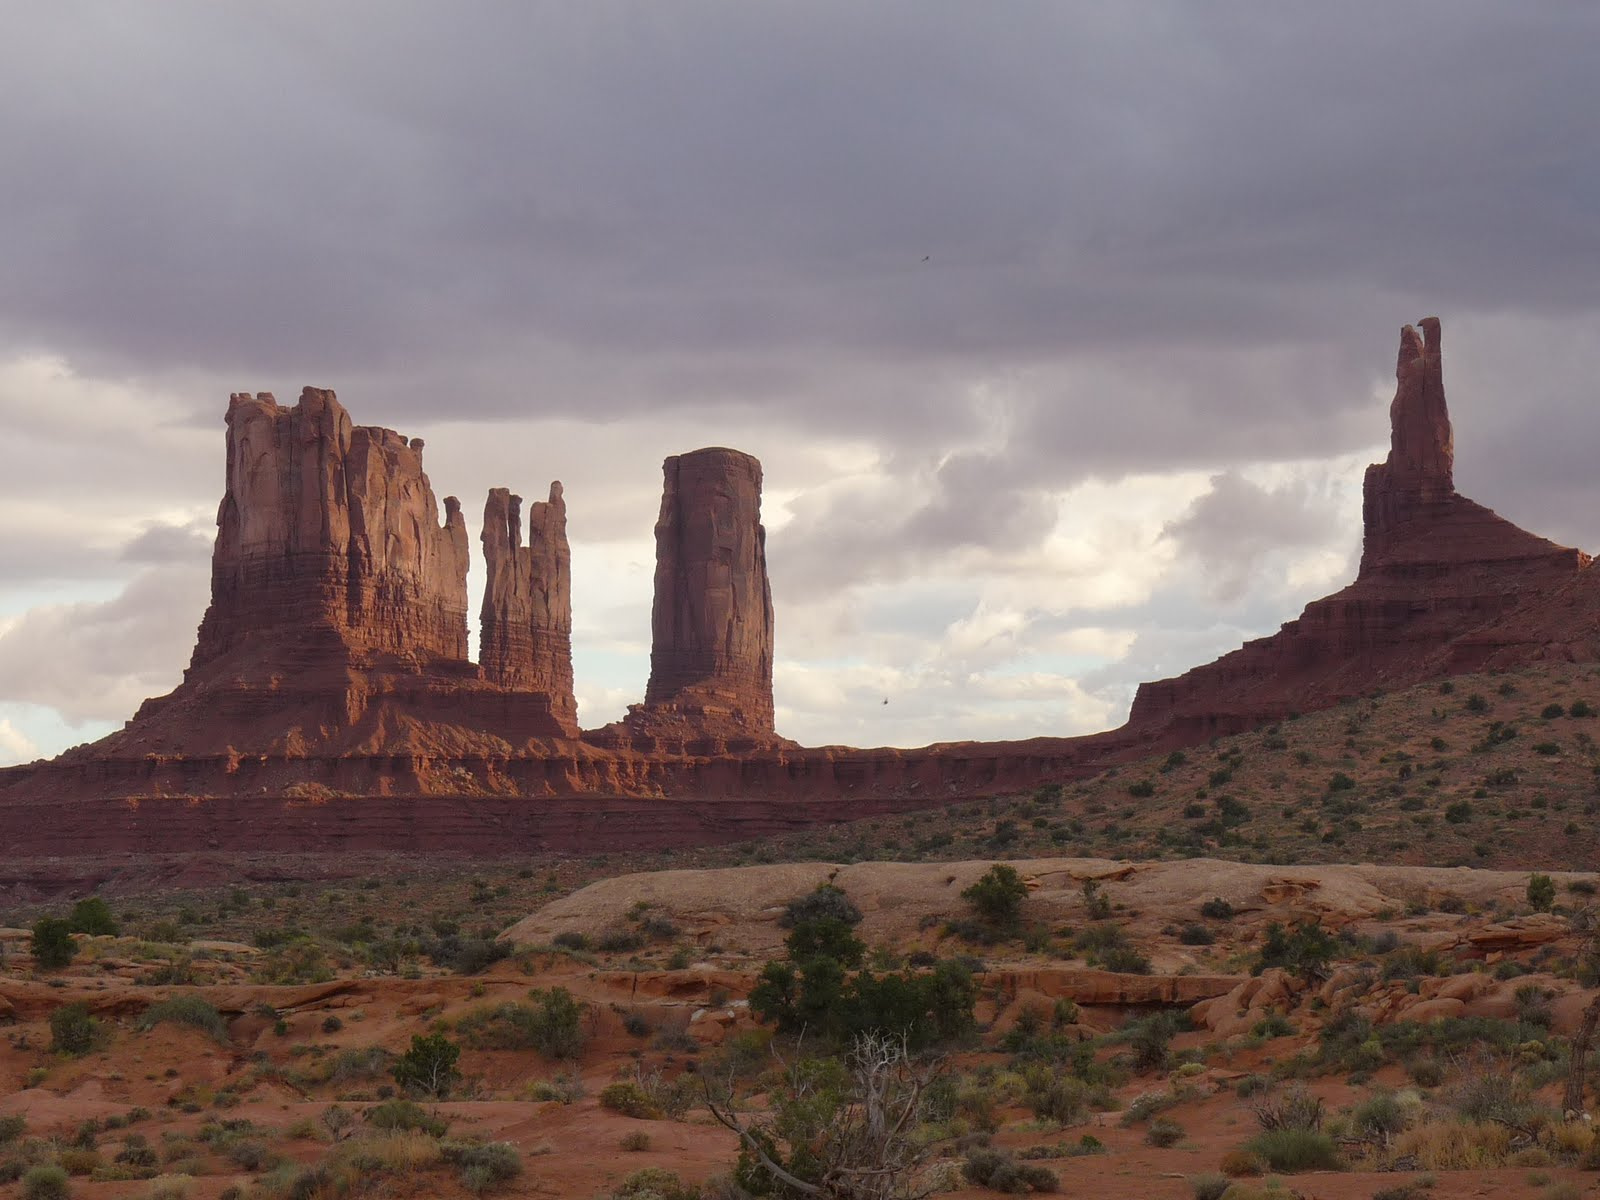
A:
[(1063, 330)]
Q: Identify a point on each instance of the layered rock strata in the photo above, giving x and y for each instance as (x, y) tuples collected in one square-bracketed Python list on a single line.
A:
[(711, 621), (329, 531), (525, 643), (1435, 566)]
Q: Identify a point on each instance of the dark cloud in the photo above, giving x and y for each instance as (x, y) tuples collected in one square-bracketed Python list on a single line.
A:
[(164, 543), (946, 273), (1236, 524)]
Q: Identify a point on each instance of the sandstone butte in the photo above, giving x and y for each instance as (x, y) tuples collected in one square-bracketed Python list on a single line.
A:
[(330, 704)]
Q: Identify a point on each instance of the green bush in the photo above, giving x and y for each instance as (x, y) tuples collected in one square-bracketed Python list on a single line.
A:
[(1210, 1186), (1217, 909), (1303, 951), (1291, 1150), (999, 1171), (52, 946), (405, 1115), (997, 896), (484, 1166), (186, 1010), (827, 902), (73, 1030), (1163, 1132), (93, 917), (429, 1066), (630, 1100), (1541, 892), (45, 1183), (550, 1025), (11, 1128)]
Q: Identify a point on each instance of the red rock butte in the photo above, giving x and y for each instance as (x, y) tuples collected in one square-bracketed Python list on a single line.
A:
[(330, 704)]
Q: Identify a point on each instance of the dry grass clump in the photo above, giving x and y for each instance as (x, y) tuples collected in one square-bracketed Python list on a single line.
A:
[(1455, 1145)]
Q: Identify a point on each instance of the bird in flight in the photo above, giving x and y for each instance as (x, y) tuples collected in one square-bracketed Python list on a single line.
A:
[(926, 257)]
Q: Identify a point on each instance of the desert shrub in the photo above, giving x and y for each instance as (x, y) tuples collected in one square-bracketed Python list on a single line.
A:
[(1125, 960), (1551, 711), (826, 903), (1292, 1108), (1458, 812), (999, 1171), (620, 941), (1060, 1098), (1209, 1186), (1163, 1132), (429, 1066), (1150, 1040), (484, 1166), (1541, 892), (657, 1183), (73, 1030), (997, 897), (405, 1115), (78, 1160), (1217, 909), (1303, 951), (12, 1127), (137, 1152), (570, 939), (551, 1025), (630, 1100), (186, 1010), (45, 1183), (1196, 935), (1291, 1150), (93, 917), (1379, 1117), (1475, 703), (357, 1063), (1580, 709), (468, 955), (1142, 789), (636, 1141), (1340, 782), (52, 946)]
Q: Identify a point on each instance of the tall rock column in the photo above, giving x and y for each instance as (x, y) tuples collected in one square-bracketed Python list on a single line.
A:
[(1419, 474), (711, 624), (525, 642), (329, 542)]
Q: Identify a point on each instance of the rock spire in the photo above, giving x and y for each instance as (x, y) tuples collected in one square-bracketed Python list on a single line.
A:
[(525, 642), (711, 624)]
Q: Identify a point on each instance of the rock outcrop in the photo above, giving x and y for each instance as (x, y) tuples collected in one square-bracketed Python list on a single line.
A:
[(328, 534), (525, 643), (711, 623), (1435, 566)]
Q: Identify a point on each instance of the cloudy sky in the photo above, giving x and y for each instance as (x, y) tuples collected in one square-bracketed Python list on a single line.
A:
[(1063, 330)]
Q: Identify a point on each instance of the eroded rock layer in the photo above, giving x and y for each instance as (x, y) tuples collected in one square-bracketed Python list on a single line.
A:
[(525, 643), (1435, 567)]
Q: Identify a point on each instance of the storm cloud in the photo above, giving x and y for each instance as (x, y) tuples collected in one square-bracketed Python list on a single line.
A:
[(1039, 317)]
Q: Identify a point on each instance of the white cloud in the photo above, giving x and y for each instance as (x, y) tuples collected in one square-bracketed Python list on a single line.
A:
[(15, 746)]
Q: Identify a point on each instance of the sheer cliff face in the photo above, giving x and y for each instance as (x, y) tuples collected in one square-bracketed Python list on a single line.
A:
[(329, 532), (711, 625), (526, 638), (1435, 566)]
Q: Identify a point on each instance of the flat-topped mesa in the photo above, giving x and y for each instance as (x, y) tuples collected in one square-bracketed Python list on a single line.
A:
[(711, 624), (328, 538), (525, 643), (1438, 574)]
